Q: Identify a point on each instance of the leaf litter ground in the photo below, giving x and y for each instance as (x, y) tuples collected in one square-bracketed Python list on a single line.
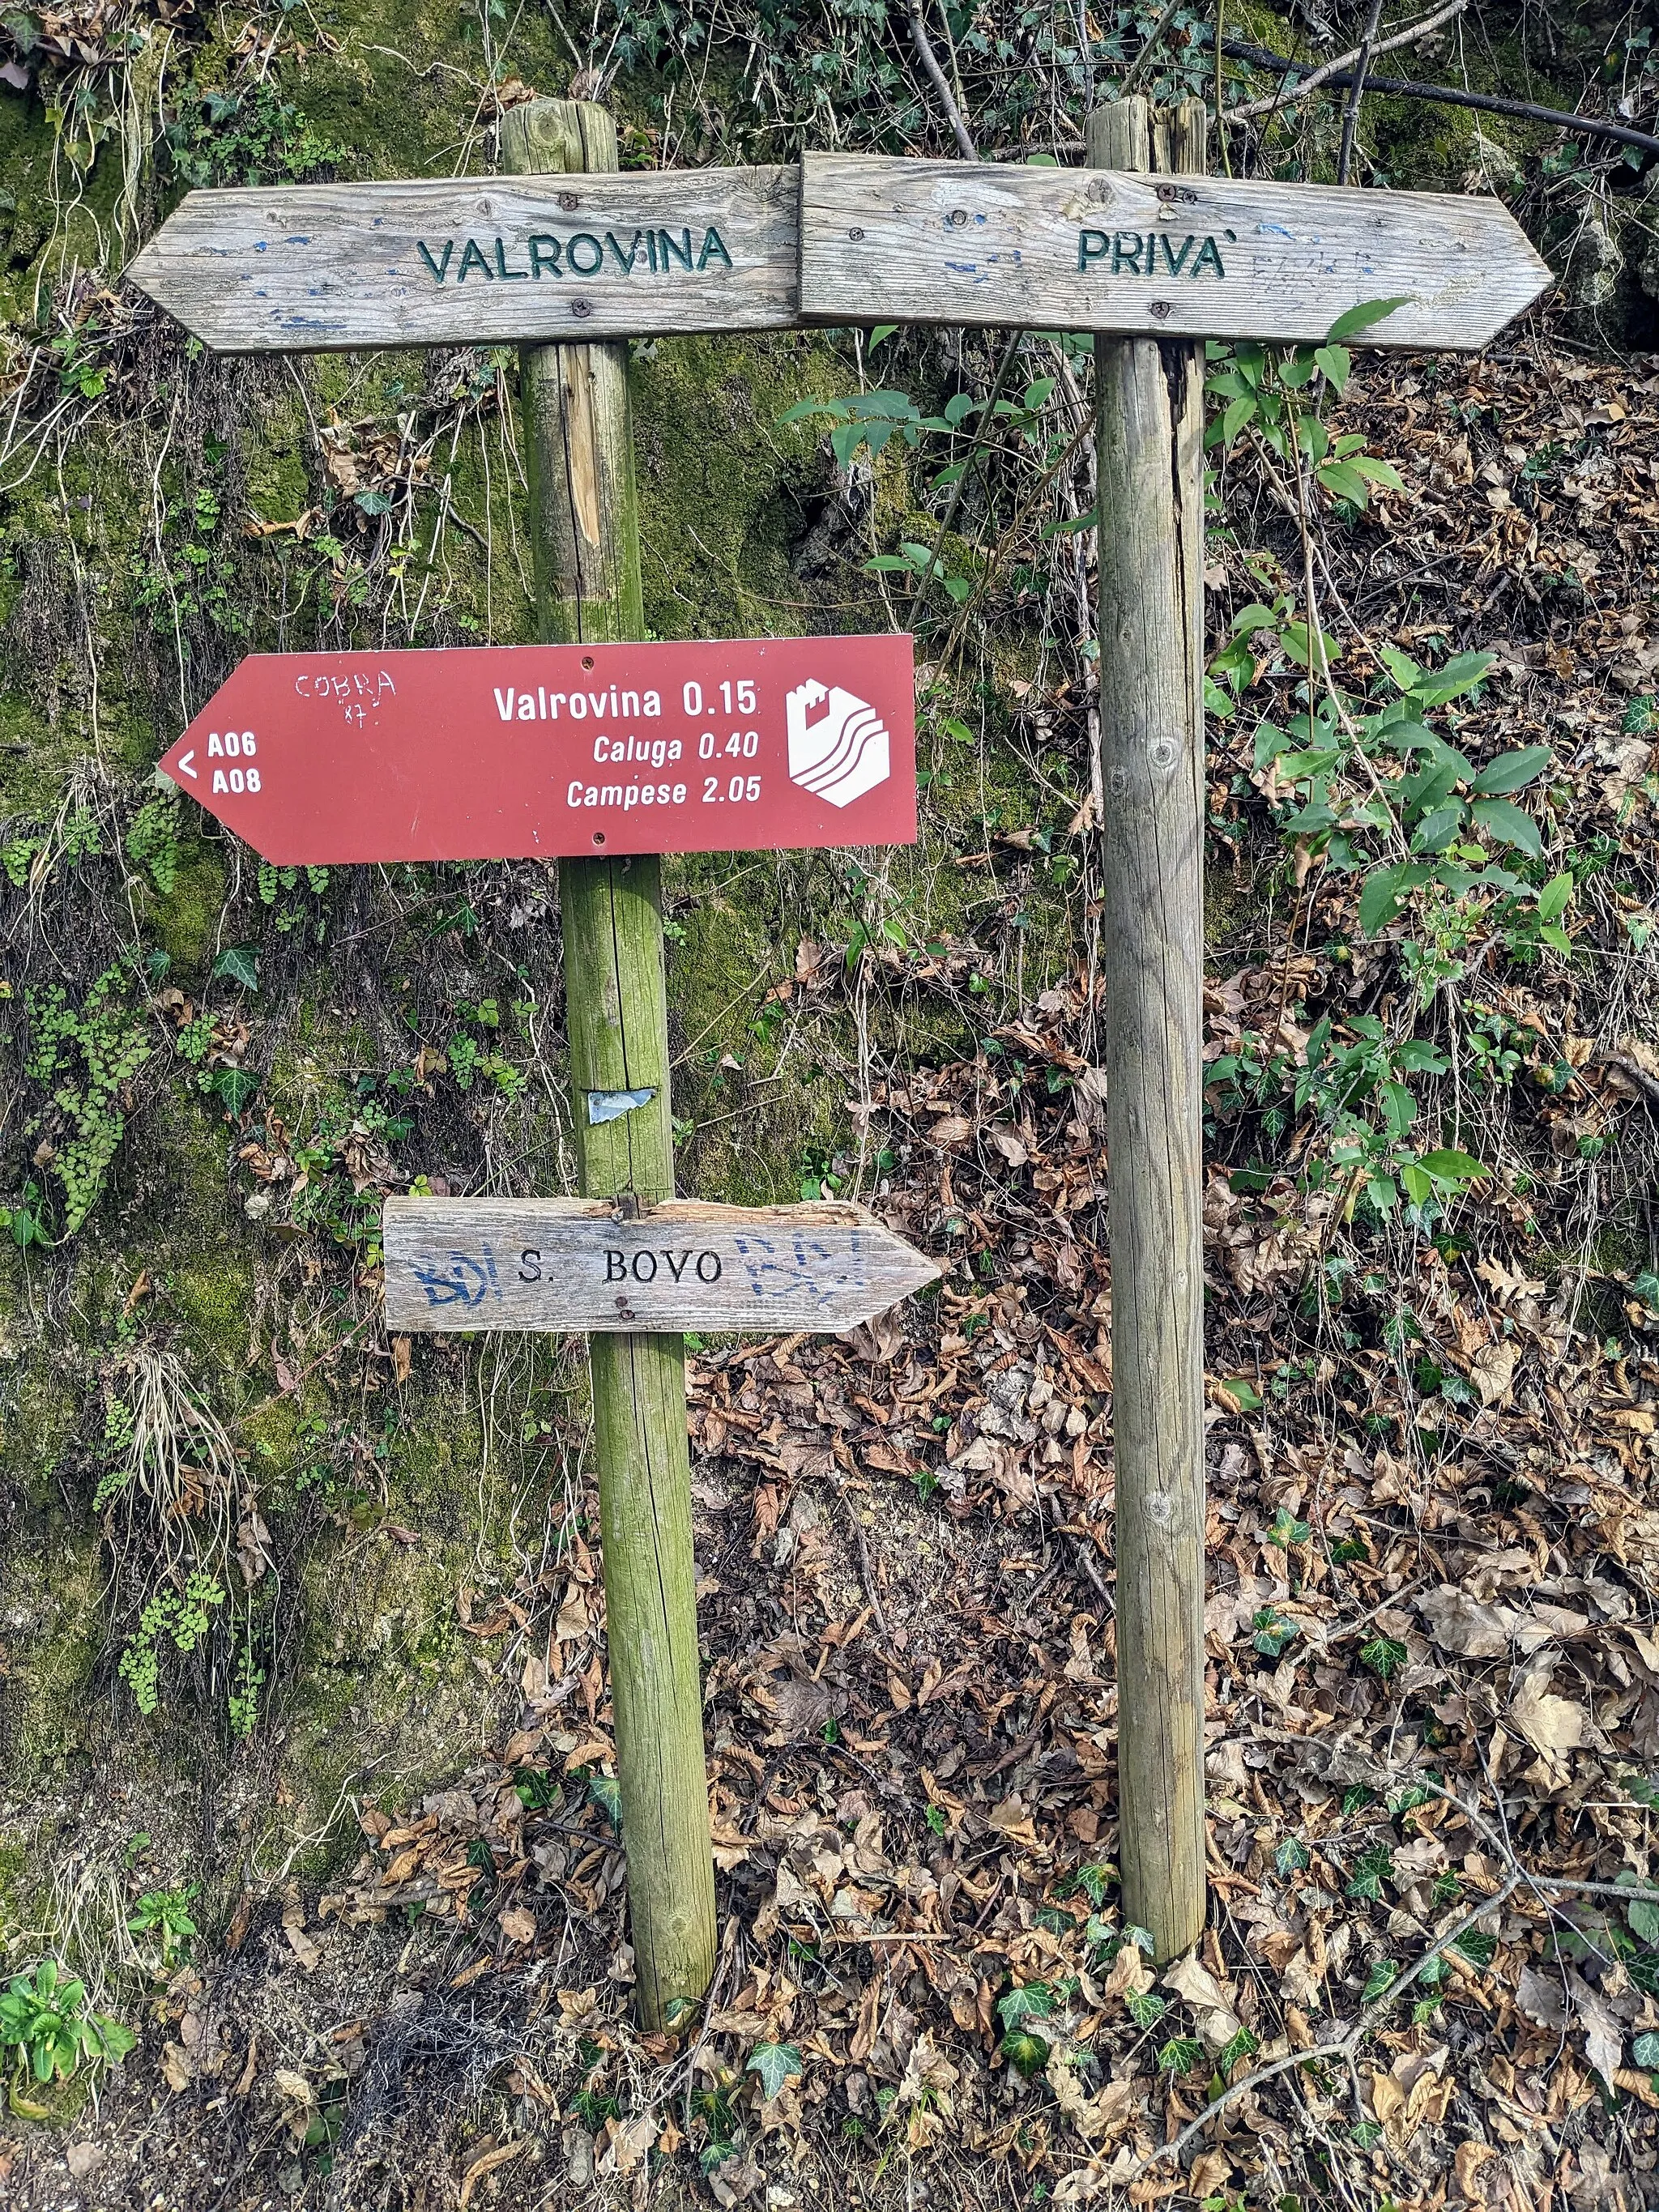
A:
[(1431, 1974)]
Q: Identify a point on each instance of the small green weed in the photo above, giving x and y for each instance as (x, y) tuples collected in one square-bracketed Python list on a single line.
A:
[(88, 1054), (46, 2021)]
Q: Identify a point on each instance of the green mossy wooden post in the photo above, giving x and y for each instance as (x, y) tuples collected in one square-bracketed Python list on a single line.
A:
[(1150, 395), (585, 527)]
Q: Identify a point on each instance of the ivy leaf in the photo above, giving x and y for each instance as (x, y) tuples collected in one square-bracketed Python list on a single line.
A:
[(1644, 1920), (1145, 2009), (1478, 1948), (1035, 2001), (236, 1086), (1350, 323), (774, 2062), (607, 1793), (1180, 2054), (1383, 1656), (238, 964), (1508, 824), (1374, 1867), (1381, 1974), (1271, 1633), (1287, 1529), (1292, 1857), (1645, 2051)]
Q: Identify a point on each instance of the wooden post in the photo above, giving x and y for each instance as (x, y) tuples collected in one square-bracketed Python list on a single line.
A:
[(586, 528), (1149, 427)]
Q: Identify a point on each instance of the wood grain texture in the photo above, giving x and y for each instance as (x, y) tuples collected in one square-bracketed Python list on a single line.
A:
[(1150, 429), (617, 1021), (579, 436), (322, 268), (907, 241), (572, 1263)]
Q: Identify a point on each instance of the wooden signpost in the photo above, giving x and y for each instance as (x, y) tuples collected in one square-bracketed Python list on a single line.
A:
[(578, 1263), (1141, 248)]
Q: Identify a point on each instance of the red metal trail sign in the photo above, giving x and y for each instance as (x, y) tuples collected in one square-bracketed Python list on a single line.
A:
[(513, 752)]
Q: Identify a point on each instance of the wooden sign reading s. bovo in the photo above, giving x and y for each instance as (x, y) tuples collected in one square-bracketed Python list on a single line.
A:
[(479, 260), (582, 1264), (900, 241)]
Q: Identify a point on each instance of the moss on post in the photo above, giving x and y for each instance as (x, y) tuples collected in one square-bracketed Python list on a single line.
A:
[(585, 524)]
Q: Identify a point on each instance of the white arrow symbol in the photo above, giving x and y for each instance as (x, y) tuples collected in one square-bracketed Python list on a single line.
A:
[(184, 768)]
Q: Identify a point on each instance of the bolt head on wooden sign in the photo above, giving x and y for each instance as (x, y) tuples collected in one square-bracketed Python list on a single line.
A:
[(478, 261), (576, 1264), (901, 241), (519, 752)]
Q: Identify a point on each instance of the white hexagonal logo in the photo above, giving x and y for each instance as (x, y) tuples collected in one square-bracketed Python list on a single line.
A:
[(841, 754)]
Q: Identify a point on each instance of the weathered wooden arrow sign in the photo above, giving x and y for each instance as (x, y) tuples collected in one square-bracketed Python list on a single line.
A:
[(899, 240), (845, 238), (478, 261), (577, 1263), (515, 752)]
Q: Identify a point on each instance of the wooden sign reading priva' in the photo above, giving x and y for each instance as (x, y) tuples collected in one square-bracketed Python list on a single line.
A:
[(587, 1264), (898, 241), (478, 261)]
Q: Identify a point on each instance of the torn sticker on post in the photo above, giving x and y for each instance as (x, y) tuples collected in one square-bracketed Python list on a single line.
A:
[(611, 1105)]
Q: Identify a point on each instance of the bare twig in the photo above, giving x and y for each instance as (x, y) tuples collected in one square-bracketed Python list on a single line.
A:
[(1143, 60), (940, 82), (1338, 71), (1350, 113), (1446, 96), (867, 1569)]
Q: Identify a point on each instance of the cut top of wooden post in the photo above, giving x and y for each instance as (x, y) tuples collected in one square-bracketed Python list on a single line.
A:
[(893, 240), (478, 261)]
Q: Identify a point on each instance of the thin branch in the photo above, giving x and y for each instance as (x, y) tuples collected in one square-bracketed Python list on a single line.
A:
[(1350, 113), (1339, 71), (1154, 38), (940, 82), (1446, 96)]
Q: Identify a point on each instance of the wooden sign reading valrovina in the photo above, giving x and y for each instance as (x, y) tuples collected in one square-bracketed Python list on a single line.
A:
[(594, 1264), (478, 261), (899, 240)]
